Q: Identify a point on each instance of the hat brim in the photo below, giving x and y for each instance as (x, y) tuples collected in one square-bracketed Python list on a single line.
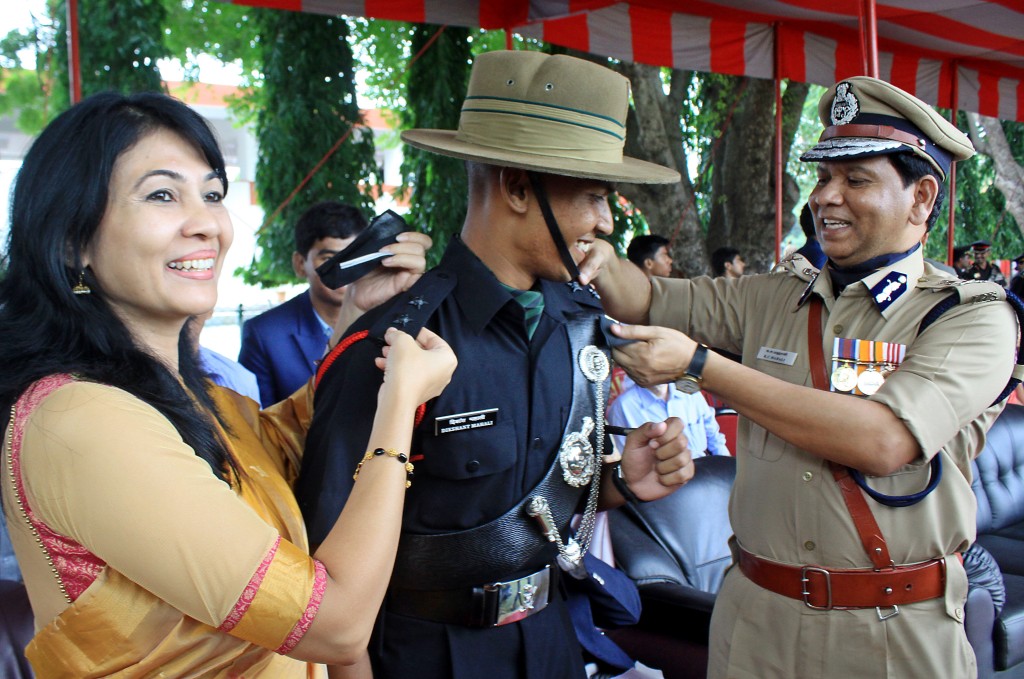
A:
[(629, 171), (840, 148)]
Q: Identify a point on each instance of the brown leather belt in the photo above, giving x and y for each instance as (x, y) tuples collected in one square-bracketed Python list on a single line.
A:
[(828, 588)]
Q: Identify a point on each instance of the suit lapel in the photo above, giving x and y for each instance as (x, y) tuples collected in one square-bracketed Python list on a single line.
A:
[(309, 334)]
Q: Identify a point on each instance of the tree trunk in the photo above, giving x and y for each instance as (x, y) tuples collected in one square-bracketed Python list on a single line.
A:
[(654, 134), (743, 161), (988, 137)]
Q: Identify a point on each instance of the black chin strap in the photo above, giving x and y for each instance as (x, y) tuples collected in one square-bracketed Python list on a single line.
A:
[(549, 218)]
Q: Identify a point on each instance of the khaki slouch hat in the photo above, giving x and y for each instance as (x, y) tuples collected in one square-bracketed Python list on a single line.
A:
[(554, 114)]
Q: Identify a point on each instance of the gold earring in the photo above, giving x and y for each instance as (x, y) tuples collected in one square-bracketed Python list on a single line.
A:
[(81, 288)]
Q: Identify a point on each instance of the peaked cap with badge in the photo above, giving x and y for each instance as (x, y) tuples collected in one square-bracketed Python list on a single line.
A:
[(555, 114), (866, 117)]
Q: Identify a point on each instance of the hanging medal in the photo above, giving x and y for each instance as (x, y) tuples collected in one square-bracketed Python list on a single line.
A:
[(844, 377), (576, 456), (870, 381)]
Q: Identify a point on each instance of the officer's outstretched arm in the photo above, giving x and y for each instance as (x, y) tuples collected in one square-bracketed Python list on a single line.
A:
[(855, 432), (625, 290)]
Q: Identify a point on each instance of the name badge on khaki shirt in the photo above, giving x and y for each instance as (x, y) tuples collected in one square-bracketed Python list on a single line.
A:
[(780, 356)]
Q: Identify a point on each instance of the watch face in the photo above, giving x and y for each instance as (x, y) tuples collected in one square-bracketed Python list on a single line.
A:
[(688, 385)]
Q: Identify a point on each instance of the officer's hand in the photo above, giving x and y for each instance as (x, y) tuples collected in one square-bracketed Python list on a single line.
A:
[(600, 255), (656, 459), (417, 368), (394, 275), (659, 356)]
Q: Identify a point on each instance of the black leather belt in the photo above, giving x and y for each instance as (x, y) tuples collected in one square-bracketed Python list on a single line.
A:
[(491, 605)]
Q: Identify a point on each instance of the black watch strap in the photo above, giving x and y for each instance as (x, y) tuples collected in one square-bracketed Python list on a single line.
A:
[(696, 367), (620, 484)]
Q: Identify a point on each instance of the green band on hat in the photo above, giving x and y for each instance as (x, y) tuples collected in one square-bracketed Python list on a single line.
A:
[(551, 131)]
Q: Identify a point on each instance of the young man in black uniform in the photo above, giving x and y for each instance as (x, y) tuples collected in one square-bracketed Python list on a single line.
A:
[(513, 448)]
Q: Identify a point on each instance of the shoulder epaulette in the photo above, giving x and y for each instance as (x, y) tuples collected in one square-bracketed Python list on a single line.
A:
[(977, 292), (408, 311), (967, 292)]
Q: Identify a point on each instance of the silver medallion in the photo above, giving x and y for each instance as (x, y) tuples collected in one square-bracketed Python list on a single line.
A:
[(594, 364), (870, 381), (576, 456), (844, 378)]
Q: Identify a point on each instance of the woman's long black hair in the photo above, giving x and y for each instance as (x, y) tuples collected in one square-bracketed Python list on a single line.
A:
[(59, 198)]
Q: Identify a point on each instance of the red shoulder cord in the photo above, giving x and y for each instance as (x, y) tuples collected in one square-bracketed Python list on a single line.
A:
[(337, 351)]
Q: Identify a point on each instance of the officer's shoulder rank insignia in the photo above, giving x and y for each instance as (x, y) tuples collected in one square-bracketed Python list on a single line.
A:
[(889, 289)]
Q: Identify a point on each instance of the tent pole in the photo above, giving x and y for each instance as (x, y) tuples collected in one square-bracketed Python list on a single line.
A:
[(871, 26), (75, 66), (955, 97), (778, 145)]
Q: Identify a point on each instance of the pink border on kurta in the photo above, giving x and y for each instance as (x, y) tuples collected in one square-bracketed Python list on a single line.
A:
[(249, 593), (77, 567), (315, 598)]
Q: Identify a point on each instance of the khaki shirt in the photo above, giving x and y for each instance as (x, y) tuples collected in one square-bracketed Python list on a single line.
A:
[(786, 505)]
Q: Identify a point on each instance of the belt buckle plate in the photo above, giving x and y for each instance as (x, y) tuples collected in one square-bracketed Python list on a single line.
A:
[(518, 599), (805, 587)]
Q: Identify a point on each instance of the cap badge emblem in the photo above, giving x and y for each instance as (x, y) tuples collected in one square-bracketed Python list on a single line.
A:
[(845, 106)]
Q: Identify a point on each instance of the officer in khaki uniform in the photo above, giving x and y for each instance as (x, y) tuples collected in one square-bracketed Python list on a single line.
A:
[(837, 376)]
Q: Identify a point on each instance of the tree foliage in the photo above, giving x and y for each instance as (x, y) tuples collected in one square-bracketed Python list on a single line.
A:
[(438, 203), (307, 106), (125, 41), (717, 130)]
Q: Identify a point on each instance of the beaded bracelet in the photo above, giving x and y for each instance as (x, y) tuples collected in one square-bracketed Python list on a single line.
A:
[(378, 452)]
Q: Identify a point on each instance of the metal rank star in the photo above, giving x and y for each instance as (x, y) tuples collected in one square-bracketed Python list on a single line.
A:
[(844, 377)]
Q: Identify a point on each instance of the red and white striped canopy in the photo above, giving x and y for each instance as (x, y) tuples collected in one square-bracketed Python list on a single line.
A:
[(965, 54)]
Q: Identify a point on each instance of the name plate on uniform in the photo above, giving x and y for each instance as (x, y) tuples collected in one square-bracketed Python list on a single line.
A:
[(477, 419), (779, 356)]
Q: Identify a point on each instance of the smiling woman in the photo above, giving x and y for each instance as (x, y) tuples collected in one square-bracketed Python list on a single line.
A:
[(142, 500), (154, 276)]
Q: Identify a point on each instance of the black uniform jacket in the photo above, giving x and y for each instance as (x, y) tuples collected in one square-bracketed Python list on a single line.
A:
[(466, 477)]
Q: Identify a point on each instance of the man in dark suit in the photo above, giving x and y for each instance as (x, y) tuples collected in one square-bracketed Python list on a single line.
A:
[(282, 345)]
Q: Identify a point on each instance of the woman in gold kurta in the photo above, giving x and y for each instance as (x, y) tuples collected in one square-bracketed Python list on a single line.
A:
[(151, 512)]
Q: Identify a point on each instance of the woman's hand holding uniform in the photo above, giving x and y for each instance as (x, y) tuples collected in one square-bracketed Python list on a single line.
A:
[(422, 366)]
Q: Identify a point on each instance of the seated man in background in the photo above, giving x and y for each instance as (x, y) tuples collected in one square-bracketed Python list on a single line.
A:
[(650, 253), (657, 403), (282, 345), (727, 262)]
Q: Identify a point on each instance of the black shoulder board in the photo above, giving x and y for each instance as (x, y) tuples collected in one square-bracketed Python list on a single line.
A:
[(410, 310)]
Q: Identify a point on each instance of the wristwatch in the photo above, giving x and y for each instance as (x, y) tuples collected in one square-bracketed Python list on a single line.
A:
[(690, 382), (620, 484)]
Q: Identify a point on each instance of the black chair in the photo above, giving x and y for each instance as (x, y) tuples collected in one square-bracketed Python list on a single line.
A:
[(997, 631), (676, 550)]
